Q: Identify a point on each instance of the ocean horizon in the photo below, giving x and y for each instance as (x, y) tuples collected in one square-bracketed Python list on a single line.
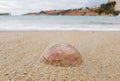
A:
[(59, 23)]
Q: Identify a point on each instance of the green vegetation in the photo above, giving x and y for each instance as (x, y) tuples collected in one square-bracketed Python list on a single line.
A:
[(107, 8), (87, 8)]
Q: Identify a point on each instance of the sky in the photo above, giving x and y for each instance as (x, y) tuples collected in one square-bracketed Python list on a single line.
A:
[(17, 7)]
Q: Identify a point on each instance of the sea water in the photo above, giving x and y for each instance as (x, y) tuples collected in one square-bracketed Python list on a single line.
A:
[(58, 23)]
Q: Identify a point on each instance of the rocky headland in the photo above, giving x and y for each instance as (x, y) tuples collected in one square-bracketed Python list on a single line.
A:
[(69, 12), (106, 9)]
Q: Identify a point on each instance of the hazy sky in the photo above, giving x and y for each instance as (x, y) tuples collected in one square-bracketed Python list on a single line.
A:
[(23, 6)]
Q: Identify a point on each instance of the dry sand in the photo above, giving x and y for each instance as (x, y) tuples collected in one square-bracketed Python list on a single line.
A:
[(20, 54)]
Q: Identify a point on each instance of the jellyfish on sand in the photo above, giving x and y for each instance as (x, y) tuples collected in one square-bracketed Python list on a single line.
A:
[(62, 54)]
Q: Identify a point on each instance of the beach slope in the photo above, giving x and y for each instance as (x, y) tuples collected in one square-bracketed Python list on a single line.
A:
[(20, 54)]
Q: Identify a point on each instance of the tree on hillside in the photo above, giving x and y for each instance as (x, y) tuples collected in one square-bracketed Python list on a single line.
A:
[(107, 8)]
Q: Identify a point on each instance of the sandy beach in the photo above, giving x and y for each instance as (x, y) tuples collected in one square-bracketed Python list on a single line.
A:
[(20, 54)]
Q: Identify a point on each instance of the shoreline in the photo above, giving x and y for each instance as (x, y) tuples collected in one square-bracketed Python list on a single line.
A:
[(64, 30)]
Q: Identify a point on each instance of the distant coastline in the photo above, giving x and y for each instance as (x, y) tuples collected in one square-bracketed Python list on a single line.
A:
[(5, 14), (107, 9), (69, 12)]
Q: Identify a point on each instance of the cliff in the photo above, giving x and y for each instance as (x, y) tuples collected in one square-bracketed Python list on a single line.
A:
[(72, 12), (102, 10)]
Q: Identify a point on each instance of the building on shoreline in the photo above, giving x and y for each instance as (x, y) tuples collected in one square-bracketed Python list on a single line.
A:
[(117, 7)]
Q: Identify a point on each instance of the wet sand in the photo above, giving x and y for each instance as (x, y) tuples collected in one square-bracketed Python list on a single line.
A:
[(20, 54)]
